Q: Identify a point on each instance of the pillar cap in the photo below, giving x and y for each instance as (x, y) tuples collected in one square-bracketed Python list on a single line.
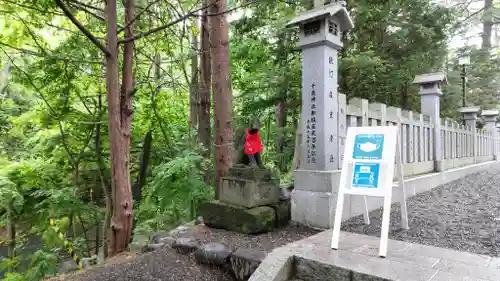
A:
[(436, 77), (470, 109), (331, 10), (490, 112)]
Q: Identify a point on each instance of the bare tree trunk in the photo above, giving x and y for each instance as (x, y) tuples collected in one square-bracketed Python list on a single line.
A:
[(204, 130), (222, 92), (487, 26), (120, 116), (104, 185), (194, 98), (12, 236)]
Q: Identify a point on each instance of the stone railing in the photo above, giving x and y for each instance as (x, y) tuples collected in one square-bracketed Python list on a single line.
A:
[(434, 150), (416, 136)]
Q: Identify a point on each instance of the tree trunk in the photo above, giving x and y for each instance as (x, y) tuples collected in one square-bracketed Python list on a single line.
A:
[(204, 131), (193, 91), (223, 98), (120, 116), (12, 236), (487, 26)]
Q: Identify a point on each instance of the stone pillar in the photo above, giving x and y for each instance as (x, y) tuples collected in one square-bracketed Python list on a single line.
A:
[(470, 116), (320, 39), (490, 119), (430, 98)]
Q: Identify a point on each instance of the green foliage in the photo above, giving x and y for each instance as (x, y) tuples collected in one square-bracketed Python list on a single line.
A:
[(173, 193), (54, 145)]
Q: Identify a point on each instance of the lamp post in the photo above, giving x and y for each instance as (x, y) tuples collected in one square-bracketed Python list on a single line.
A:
[(464, 60)]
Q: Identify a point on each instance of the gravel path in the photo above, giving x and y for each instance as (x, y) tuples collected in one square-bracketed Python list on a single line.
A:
[(463, 215), (166, 265)]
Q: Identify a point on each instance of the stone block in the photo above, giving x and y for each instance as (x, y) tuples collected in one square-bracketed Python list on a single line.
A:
[(253, 173), (316, 181), (213, 254), (311, 208), (249, 193), (256, 220), (283, 212), (244, 262), (316, 271), (185, 245)]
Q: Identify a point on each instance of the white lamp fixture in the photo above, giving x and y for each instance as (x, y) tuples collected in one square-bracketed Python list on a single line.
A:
[(464, 60)]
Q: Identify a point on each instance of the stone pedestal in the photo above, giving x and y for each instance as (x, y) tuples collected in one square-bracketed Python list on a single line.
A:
[(250, 202)]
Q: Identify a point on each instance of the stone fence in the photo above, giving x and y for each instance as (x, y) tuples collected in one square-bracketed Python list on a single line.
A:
[(434, 151), (460, 145)]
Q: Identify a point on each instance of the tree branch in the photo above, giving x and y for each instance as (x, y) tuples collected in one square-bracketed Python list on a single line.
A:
[(137, 16), (193, 13), (36, 54), (82, 28)]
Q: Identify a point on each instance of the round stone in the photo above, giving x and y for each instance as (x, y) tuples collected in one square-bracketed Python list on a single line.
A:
[(213, 254), (185, 245)]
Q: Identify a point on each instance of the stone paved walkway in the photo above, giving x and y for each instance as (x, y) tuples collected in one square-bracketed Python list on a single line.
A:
[(463, 215)]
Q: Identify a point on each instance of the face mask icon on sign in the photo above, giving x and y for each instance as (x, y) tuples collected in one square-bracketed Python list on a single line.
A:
[(368, 146)]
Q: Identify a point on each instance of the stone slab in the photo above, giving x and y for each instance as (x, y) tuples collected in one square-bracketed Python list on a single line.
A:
[(249, 193), (252, 173), (357, 260), (235, 218)]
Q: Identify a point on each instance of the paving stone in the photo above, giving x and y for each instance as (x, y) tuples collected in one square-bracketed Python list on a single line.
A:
[(185, 245), (448, 254), (401, 256), (464, 269), (213, 254), (494, 263), (446, 276), (368, 265), (244, 262)]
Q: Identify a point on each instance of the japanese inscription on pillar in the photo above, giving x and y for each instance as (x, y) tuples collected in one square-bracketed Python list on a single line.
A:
[(320, 109)]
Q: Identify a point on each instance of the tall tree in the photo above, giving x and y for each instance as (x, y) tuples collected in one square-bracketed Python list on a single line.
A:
[(222, 92), (204, 128)]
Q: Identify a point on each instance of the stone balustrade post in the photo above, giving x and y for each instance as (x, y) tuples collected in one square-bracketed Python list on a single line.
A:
[(470, 116), (430, 98), (490, 119)]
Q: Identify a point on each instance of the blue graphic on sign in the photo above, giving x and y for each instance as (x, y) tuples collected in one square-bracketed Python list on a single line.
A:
[(365, 175), (368, 146)]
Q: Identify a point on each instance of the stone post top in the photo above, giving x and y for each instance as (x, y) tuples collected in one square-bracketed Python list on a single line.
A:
[(470, 110), (330, 10), (436, 77), (490, 113)]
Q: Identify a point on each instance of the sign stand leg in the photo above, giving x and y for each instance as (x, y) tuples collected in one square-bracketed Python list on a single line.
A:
[(338, 220), (401, 191), (384, 232), (366, 215)]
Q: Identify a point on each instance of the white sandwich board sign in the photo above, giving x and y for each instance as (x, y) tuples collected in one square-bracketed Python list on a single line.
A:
[(370, 156)]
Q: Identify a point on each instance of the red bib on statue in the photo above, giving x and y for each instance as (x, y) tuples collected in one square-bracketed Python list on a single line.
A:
[(252, 143)]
